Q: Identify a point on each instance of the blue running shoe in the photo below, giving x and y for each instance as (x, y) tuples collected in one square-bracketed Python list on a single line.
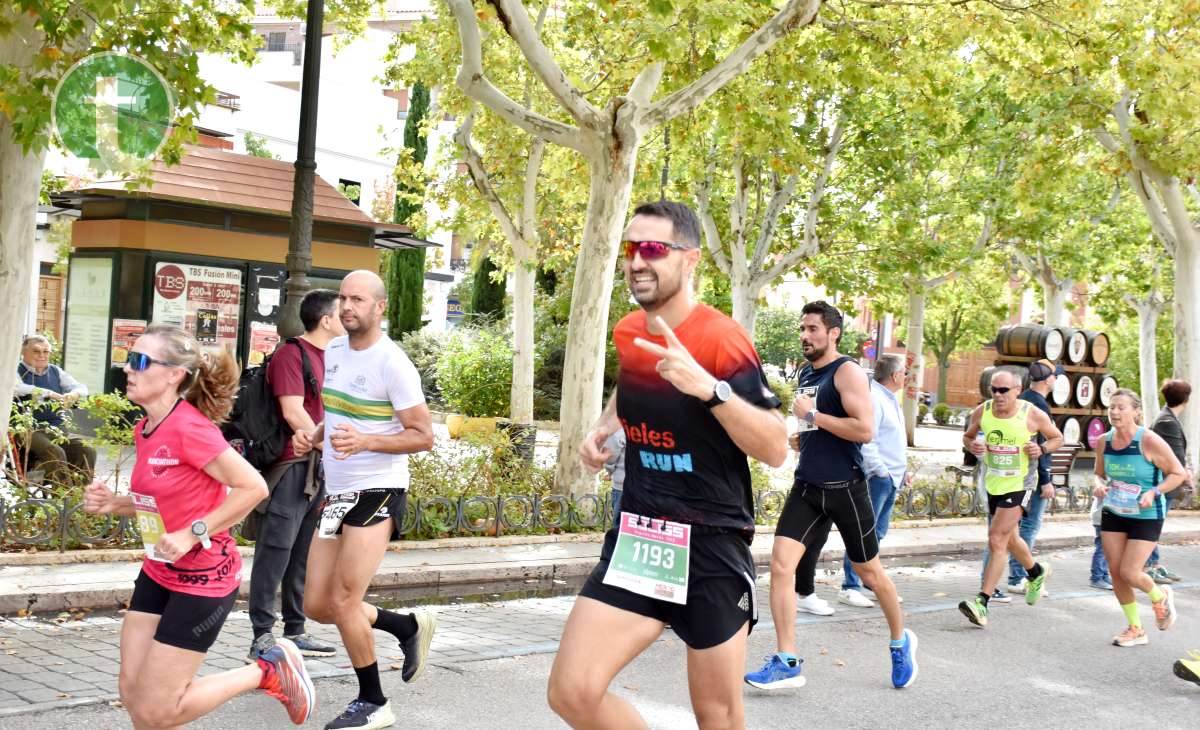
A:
[(776, 674), (904, 661)]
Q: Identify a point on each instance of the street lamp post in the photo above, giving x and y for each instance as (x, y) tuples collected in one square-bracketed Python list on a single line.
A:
[(299, 257)]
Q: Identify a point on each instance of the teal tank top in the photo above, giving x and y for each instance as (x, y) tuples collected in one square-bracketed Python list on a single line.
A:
[(1130, 476)]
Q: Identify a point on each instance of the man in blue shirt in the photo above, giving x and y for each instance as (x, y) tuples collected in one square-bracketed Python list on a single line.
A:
[(885, 459), (38, 380)]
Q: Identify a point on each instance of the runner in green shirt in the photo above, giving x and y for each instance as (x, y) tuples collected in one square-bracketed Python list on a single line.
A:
[(1005, 451)]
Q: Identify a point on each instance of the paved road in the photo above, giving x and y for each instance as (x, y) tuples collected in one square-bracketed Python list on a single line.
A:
[(1034, 667)]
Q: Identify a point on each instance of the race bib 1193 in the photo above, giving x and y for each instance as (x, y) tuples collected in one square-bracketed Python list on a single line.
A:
[(651, 558)]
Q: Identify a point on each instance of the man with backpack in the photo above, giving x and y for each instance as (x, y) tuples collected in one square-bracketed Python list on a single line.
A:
[(295, 373)]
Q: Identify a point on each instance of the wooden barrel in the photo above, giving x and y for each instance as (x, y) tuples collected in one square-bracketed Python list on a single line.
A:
[(1070, 427), (1094, 430), (1097, 348), (1108, 386), (1030, 340), (985, 382), (1061, 395), (1075, 345), (1084, 387)]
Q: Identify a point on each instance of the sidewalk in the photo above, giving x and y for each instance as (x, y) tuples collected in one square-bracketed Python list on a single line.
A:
[(55, 582)]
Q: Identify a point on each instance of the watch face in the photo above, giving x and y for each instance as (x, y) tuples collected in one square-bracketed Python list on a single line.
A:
[(723, 391), (199, 528)]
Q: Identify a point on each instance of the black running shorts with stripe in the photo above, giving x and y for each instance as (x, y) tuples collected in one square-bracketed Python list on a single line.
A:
[(810, 508)]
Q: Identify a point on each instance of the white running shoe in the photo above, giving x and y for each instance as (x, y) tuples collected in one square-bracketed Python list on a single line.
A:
[(851, 597), (814, 604), (871, 595)]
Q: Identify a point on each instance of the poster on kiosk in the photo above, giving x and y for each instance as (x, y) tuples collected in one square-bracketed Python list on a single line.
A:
[(204, 300)]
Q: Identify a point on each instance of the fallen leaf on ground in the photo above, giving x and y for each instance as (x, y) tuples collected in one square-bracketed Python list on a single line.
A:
[(63, 695), (824, 652), (839, 663), (397, 667), (939, 595)]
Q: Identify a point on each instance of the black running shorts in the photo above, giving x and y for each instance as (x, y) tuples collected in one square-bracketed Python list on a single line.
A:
[(810, 508), (1133, 527), (1011, 499), (185, 621), (372, 506), (720, 598)]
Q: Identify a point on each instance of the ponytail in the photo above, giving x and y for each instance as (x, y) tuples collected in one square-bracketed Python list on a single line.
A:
[(214, 385), (212, 375)]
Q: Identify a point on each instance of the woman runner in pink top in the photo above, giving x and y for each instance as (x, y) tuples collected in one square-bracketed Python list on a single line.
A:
[(188, 488)]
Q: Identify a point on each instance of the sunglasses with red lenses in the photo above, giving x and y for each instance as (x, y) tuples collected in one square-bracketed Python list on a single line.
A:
[(651, 250)]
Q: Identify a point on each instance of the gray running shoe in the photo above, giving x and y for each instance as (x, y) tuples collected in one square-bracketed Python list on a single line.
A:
[(260, 645), (416, 647), (310, 645)]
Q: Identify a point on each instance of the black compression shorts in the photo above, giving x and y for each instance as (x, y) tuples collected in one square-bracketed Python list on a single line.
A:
[(185, 621), (810, 508)]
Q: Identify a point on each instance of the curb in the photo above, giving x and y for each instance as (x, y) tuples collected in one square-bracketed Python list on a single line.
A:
[(435, 579)]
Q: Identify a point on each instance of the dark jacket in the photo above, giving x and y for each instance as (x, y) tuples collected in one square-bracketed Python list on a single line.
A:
[(1039, 400), (1167, 426)]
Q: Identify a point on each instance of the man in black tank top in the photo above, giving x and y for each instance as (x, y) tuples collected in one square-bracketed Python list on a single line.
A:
[(833, 404)]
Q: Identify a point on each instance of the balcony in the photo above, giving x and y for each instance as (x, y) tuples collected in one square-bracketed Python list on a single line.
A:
[(458, 265), (296, 49), (232, 102)]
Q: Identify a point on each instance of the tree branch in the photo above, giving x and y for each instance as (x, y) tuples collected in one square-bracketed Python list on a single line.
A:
[(515, 20), (476, 85), (795, 13), (712, 237), (483, 183), (533, 169), (770, 221), (737, 213)]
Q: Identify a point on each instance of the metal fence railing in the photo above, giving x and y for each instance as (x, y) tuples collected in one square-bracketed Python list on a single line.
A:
[(62, 525)]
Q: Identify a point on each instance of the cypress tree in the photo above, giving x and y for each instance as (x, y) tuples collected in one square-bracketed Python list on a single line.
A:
[(405, 275), (487, 295)]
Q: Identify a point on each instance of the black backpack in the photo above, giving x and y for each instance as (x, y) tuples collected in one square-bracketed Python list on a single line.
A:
[(256, 427)]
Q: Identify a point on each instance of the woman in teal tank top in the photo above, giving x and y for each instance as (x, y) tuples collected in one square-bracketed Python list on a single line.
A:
[(1133, 470)]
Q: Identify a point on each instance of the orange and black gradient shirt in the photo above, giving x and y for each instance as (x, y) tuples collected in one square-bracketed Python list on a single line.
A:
[(680, 464)]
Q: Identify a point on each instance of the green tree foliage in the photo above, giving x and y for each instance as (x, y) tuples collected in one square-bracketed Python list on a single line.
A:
[(410, 196), (474, 372), (777, 339), (487, 294), (963, 315), (406, 295), (256, 146), (404, 270)]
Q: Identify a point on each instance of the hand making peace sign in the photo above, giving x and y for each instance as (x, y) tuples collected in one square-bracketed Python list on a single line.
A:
[(677, 365)]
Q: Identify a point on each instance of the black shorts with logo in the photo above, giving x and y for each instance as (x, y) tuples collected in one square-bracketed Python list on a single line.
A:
[(1008, 500), (185, 621), (720, 598), (811, 507), (1135, 528), (373, 506)]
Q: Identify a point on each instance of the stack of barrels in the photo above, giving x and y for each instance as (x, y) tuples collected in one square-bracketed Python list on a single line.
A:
[(1079, 402)]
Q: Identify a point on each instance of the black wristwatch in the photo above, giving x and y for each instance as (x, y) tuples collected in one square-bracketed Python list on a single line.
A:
[(721, 394)]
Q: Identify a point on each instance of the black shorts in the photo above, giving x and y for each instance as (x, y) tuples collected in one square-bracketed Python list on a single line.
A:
[(810, 508), (185, 621), (720, 598), (1134, 527), (1010, 499), (372, 506)]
